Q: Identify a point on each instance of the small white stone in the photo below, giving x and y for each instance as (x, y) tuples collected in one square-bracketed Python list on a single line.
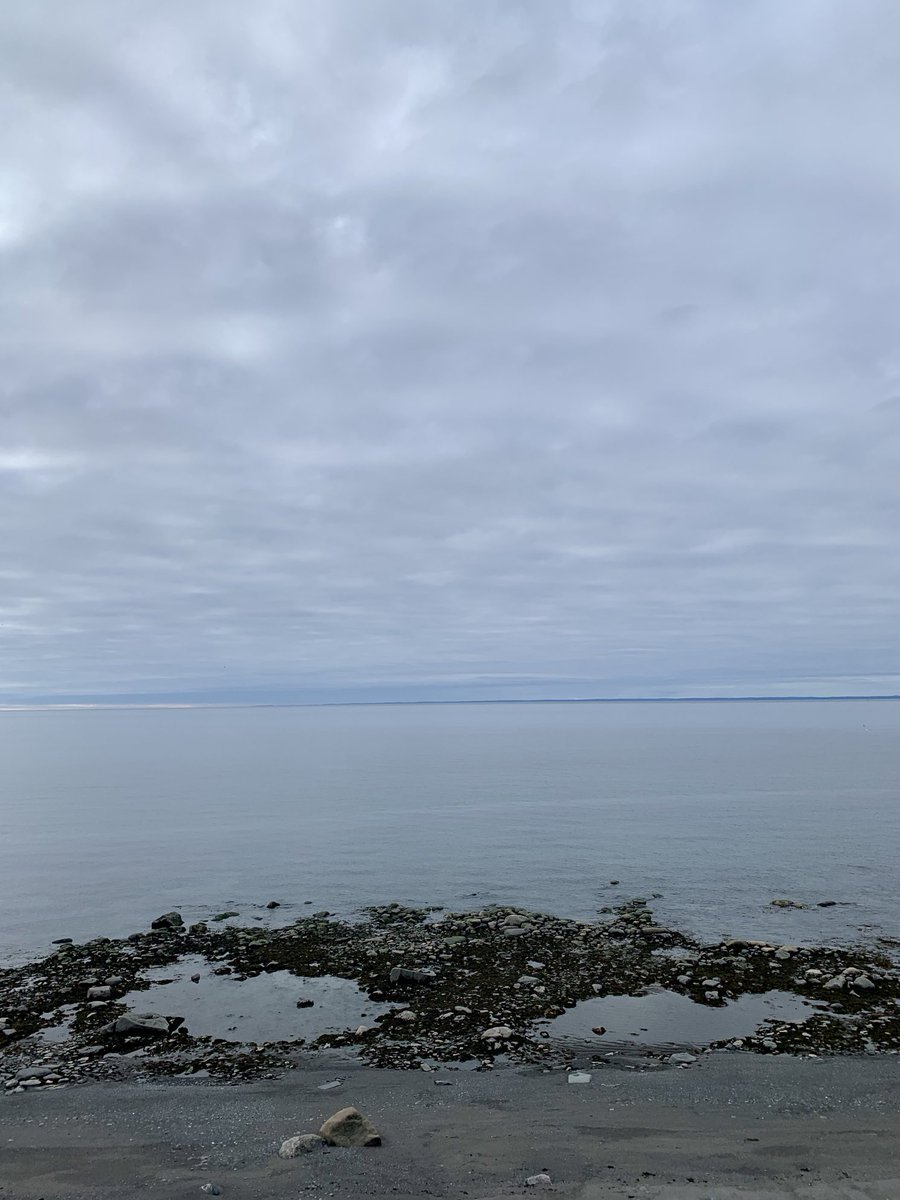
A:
[(542, 1180), (579, 1077)]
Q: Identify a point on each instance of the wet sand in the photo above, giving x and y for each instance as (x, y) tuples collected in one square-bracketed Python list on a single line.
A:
[(729, 1127)]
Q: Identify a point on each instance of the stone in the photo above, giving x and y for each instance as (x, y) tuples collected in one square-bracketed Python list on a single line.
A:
[(827, 903), (783, 955), (513, 919), (406, 1015), (302, 1143), (195, 978), (497, 1033), (516, 931), (143, 1023), (408, 975), (834, 984), (579, 1077), (99, 993), (211, 1189), (274, 904), (541, 1180), (711, 995), (305, 1002), (349, 1127), (223, 916), (169, 920), (62, 942), (863, 983), (682, 1057)]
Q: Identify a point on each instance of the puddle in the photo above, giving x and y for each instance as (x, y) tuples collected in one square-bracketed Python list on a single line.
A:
[(54, 1034), (668, 1019), (260, 1009)]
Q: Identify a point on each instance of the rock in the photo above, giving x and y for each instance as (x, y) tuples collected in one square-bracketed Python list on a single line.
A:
[(330, 1085), (62, 942), (516, 931), (303, 1143), (863, 983), (349, 1127), (99, 993), (827, 903), (497, 1033), (406, 1015), (408, 975), (834, 984), (211, 1189), (305, 1002), (542, 1180), (782, 954), (145, 1023), (514, 919), (223, 916), (169, 920), (712, 995), (274, 904), (599, 1030), (682, 1057), (579, 1077)]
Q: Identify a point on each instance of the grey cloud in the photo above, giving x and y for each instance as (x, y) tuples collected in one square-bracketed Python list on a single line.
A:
[(421, 349)]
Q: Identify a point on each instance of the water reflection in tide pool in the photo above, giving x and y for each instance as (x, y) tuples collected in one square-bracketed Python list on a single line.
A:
[(262, 1008), (664, 1018)]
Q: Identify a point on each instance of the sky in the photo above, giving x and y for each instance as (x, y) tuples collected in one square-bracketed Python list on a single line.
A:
[(417, 350)]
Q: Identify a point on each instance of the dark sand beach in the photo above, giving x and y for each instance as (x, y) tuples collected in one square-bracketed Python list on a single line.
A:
[(728, 1127)]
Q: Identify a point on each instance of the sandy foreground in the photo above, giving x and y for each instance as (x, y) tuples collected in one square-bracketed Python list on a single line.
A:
[(733, 1125)]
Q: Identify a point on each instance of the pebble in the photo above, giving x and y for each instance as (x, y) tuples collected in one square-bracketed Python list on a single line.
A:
[(579, 1077)]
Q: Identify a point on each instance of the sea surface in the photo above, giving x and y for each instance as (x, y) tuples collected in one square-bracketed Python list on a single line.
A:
[(710, 810)]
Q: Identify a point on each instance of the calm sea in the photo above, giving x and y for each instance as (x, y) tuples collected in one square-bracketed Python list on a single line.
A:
[(108, 818)]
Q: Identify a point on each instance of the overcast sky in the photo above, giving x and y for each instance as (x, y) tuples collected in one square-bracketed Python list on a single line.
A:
[(474, 348)]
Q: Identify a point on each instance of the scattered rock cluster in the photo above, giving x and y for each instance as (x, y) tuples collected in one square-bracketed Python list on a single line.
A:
[(474, 987)]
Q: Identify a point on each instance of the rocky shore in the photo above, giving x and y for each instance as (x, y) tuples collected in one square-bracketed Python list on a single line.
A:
[(470, 989)]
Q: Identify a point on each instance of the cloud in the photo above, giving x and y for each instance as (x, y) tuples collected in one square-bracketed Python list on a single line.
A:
[(431, 349)]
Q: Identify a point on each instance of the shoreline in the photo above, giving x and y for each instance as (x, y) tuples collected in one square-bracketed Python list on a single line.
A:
[(421, 988), (734, 1128)]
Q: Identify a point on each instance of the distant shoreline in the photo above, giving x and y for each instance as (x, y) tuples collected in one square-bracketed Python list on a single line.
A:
[(93, 705)]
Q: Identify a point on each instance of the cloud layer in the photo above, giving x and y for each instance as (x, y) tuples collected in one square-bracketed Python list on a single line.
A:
[(422, 349)]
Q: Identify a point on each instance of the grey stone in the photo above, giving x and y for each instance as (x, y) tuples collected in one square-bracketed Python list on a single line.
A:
[(305, 1002), (274, 904), (497, 1033), (195, 978), (682, 1057), (349, 1127), (409, 975), (302, 1143), (541, 1180), (146, 1023), (863, 983), (99, 993), (211, 1189), (169, 920)]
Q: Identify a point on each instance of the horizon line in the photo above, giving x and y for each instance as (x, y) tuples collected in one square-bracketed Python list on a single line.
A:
[(90, 705)]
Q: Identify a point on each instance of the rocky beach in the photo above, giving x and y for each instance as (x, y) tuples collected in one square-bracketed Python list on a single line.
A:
[(446, 998)]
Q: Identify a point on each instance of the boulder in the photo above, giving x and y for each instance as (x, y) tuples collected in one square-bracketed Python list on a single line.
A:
[(302, 1143), (408, 975), (349, 1127), (169, 920), (497, 1033), (99, 993), (141, 1023)]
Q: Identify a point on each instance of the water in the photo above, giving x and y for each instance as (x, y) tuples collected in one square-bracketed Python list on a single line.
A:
[(664, 1018), (262, 1008), (108, 818)]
